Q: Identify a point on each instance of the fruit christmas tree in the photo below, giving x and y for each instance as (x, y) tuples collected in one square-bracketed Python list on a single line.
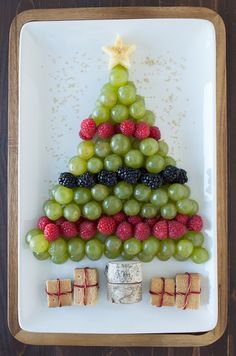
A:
[(123, 195)]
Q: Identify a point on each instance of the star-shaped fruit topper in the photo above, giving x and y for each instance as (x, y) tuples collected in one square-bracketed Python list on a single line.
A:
[(119, 53)]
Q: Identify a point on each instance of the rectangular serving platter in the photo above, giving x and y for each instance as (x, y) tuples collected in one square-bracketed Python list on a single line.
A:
[(45, 84)]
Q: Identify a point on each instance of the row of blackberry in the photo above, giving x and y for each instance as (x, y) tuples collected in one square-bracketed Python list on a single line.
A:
[(169, 175)]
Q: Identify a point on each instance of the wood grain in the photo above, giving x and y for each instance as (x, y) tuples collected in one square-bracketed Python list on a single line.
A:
[(225, 346), (123, 340)]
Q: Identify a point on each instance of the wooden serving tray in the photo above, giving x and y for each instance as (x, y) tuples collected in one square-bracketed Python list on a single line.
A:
[(189, 339)]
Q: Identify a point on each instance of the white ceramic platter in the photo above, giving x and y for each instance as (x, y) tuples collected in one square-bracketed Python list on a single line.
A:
[(62, 69)]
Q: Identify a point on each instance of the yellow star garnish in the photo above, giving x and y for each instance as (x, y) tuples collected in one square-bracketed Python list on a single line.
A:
[(119, 53)]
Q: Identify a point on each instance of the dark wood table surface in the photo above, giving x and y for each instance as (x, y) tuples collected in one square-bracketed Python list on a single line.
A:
[(225, 346)]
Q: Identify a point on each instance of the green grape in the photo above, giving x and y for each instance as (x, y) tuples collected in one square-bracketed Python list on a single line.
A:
[(112, 254), (127, 94), (184, 248), (77, 165), (187, 206), (148, 146), (92, 210), (120, 144), (112, 205), (41, 256), (197, 238), (94, 249), (195, 207), (200, 255), (63, 195), (112, 162), (113, 244), (149, 117), (101, 237), (134, 159), (126, 257), (137, 110), (163, 148), (82, 195), (101, 114), (108, 87), (179, 258), (59, 259), (123, 190), (149, 211), (168, 211), (118, 76), (140, 98), (131, 207), (119, 113), (150, 246), (166, 250), (155, 163), (108, 98), (54, 188), (86, 149), (178, 191), (144, 257), (142, 193), (76, 249), (38, 244), (71, 212), (135, 143), (131, 84), (95, 165), (32, 233), (159, 197), (169, 161), (100, 192), (53, 210), (102, 148), (58, 247), (132, 246)]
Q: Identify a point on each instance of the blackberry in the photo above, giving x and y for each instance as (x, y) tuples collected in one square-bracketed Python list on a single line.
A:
[(86, 180), (129, 175), (152, 180), (67, 180), (107, 178), (170, 174), (182, 177)]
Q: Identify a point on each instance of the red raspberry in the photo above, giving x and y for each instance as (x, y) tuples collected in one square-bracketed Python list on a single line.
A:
[(119, 217), (42, 222), (124, 230), (51, 232), (142, 231), (78, 222), (105, 130), (88, 127), (60, 221), (134, 220), (87, 229), (69, 229), (117, 128), (176, 229), (195, 223), (155, 133), (160, 230), (151, 221), (127, 127), (142, 130), (83, 136), (182, 218), (106, 225)]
